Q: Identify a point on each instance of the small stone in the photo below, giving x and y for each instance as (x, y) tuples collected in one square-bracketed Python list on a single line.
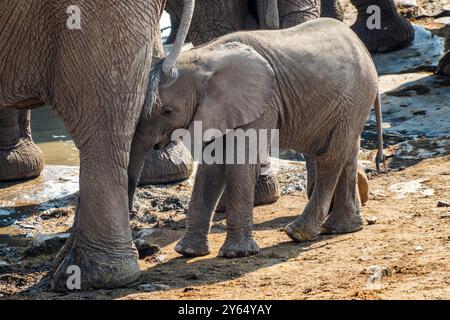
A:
[(445, 215), (418, 248), (307, 290), (55, 213), (160, 258), (147, 287), (382, 271), (188, 289), (46, 244), (26, 226), (371, 220), (443, 204), (151, 287), (3, 264), (144, 233), (146, 249)]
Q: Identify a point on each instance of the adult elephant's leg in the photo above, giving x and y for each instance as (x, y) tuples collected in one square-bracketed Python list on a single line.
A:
[(209, 184), (101, 237), (294, 12), (100, 104), (345, 215), (394, 31), (241, 181), (331, 9), (20, 158)]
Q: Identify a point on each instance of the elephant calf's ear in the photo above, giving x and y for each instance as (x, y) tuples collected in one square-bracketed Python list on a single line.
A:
[(240, 85)]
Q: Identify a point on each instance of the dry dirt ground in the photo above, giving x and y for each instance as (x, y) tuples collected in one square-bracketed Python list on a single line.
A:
[(405, 254)]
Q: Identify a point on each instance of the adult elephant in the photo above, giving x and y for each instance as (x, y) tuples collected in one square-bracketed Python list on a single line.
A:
[(214, 18), (95, 78)]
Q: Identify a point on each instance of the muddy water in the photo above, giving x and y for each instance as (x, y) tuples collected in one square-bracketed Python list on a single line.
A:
[(53, 139)]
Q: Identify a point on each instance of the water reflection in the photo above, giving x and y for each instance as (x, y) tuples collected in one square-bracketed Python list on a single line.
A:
[(52, 138)]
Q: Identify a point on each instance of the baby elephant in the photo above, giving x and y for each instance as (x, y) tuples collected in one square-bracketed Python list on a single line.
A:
[(316, 83)]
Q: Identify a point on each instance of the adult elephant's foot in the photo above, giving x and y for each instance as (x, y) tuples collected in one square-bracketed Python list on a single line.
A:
[(239, 247), (22, 161), (444, 65), (193, 246), (171, 164), (342, 223), (331, 9), (393, 32), (20, 158), (86, 267), (267, 191), (302, 230)]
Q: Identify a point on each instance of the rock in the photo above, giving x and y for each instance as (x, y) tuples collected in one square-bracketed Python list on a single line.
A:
[(160, 258), (151, 287), (171, 203), (371, 220), (3, 265), (55, 213), (442, 204), (143, 233), (445, 215), (376, 273), (26, 226), (407, 3), (146, 249), (418, 248), (46, 244)]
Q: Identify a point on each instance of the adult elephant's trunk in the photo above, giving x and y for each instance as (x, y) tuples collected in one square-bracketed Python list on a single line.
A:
[(268, 12), (168, 66)]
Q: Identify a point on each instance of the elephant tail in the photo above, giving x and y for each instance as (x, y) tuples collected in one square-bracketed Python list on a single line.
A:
[(380, 159)]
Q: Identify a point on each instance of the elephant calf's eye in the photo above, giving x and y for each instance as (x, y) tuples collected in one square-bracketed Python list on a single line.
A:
[(166, 111)]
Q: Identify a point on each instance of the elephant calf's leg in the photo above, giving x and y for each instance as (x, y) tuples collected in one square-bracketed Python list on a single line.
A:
[(307, 226), (209, 184), (345, 215), (239, 202)]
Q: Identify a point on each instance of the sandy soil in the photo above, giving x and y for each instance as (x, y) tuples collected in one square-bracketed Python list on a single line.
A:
[(405, 254)]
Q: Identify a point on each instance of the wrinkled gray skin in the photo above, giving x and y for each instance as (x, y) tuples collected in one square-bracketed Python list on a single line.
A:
[(215, 18), (96, 80), (315, 82)]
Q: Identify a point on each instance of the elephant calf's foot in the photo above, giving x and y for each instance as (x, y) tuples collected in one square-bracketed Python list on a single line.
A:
[(83, 269), (302, 230), (235, 248), (193, 246), (340, 223)]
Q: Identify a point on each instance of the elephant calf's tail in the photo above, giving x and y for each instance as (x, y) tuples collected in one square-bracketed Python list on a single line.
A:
[(380, 159)]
